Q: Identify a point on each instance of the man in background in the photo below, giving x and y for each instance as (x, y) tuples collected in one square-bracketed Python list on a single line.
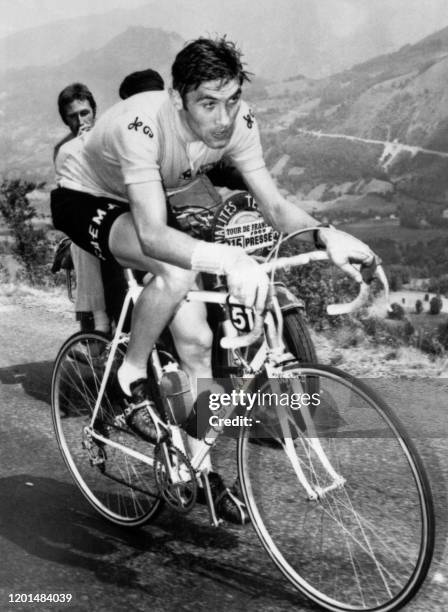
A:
[(77, 108)]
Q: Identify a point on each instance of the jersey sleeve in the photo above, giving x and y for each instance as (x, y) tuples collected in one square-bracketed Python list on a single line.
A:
[(245, 147), (135, 143)]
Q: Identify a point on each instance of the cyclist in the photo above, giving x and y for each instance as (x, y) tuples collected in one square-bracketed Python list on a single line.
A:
[(77, 108), (112, 202)]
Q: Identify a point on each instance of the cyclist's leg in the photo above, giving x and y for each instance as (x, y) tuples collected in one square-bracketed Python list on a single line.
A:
[(193, 339), (159, 298), (105, 228)]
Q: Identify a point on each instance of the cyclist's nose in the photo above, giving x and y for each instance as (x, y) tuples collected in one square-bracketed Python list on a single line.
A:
[(223, 118), (77, 122)]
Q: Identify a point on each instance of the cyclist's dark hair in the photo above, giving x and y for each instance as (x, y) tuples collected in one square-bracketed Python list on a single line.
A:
[(206, 59), (75, 91)]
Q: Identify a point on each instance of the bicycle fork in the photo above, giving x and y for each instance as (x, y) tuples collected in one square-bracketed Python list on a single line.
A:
[(312, 445)]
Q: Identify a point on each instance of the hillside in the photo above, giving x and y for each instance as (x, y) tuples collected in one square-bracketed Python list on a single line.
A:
[(402, 95), (381, 114)]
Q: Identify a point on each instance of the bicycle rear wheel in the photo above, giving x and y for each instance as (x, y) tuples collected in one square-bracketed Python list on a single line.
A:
[(366, 541), (118, 485)]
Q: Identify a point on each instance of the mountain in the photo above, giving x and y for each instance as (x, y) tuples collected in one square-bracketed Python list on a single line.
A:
[(280, 38)]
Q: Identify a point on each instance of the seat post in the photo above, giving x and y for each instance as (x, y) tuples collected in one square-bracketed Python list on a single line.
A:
[(130, 278)]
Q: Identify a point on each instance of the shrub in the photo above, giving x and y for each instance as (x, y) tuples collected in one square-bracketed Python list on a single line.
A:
[(396, 312), (388, 332), (418, 306), (31, 246)]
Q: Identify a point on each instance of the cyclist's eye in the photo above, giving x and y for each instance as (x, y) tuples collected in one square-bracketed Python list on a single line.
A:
[(209, 105)]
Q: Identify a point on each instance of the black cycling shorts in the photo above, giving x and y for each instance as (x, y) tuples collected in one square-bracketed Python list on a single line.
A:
[(86, 219)]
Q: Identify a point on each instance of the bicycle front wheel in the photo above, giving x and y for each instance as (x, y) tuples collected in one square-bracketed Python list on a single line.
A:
[(119, 485), (339, 500)]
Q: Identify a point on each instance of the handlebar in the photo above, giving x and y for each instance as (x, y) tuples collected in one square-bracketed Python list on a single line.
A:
[(285, 263)]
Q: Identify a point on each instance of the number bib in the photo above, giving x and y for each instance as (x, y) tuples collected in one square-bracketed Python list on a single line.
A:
[(242, 318)]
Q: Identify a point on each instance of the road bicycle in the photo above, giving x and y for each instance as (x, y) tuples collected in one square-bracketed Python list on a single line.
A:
[(334, 487)]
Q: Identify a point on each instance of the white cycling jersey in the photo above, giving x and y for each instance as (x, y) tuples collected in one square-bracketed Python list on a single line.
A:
[(142, 139)]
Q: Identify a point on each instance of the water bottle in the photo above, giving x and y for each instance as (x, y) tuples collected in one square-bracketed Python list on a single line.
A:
[(176, 392)]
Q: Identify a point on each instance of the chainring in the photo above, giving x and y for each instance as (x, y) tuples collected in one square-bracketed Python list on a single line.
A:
[(180, 495)]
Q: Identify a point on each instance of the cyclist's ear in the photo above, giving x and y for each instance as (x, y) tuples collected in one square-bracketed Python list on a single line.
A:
[(176, 99)]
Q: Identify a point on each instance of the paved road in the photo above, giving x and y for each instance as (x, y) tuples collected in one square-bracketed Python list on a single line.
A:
[(52, 542)]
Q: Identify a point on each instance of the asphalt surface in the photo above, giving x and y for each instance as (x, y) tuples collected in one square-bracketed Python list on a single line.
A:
[(52, 542)]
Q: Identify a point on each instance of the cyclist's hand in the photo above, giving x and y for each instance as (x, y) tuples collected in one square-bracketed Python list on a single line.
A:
[(345, 250), (247, 281)]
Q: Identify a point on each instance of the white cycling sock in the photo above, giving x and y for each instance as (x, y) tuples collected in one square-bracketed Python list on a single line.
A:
[(129, 373), (196, 445)]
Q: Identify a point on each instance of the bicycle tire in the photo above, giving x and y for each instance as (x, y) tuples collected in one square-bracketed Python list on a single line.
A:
[(367, 544), (119, 486), (297, 338)]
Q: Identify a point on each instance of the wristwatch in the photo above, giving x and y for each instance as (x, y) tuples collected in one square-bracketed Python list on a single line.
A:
[(317, 242)]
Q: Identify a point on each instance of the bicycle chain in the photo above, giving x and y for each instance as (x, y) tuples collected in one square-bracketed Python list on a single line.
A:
[(180, 496)]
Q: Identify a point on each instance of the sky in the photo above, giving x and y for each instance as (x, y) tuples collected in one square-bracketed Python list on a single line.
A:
[(22, 14), (406, 20)]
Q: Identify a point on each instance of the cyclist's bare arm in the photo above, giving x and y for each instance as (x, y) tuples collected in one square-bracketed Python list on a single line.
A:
[(283, 215), (147, 237)]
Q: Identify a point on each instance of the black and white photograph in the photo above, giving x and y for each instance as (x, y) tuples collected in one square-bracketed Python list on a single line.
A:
[(224, 305)]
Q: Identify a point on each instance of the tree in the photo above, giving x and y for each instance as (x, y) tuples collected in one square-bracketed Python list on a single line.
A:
[(30, 245)]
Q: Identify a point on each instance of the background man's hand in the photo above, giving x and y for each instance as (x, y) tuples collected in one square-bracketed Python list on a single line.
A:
[(84, 128)]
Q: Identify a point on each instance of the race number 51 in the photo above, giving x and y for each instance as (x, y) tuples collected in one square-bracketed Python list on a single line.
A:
[(242, 318)]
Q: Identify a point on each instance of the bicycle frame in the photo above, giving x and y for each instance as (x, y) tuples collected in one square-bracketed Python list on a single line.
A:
[(132, 295), (271, 354)]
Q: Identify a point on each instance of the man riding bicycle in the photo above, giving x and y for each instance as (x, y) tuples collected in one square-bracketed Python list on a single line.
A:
[(112, 202)]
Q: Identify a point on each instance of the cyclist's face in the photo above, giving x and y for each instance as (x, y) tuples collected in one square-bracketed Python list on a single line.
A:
[(210, 111), (78, 114)]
